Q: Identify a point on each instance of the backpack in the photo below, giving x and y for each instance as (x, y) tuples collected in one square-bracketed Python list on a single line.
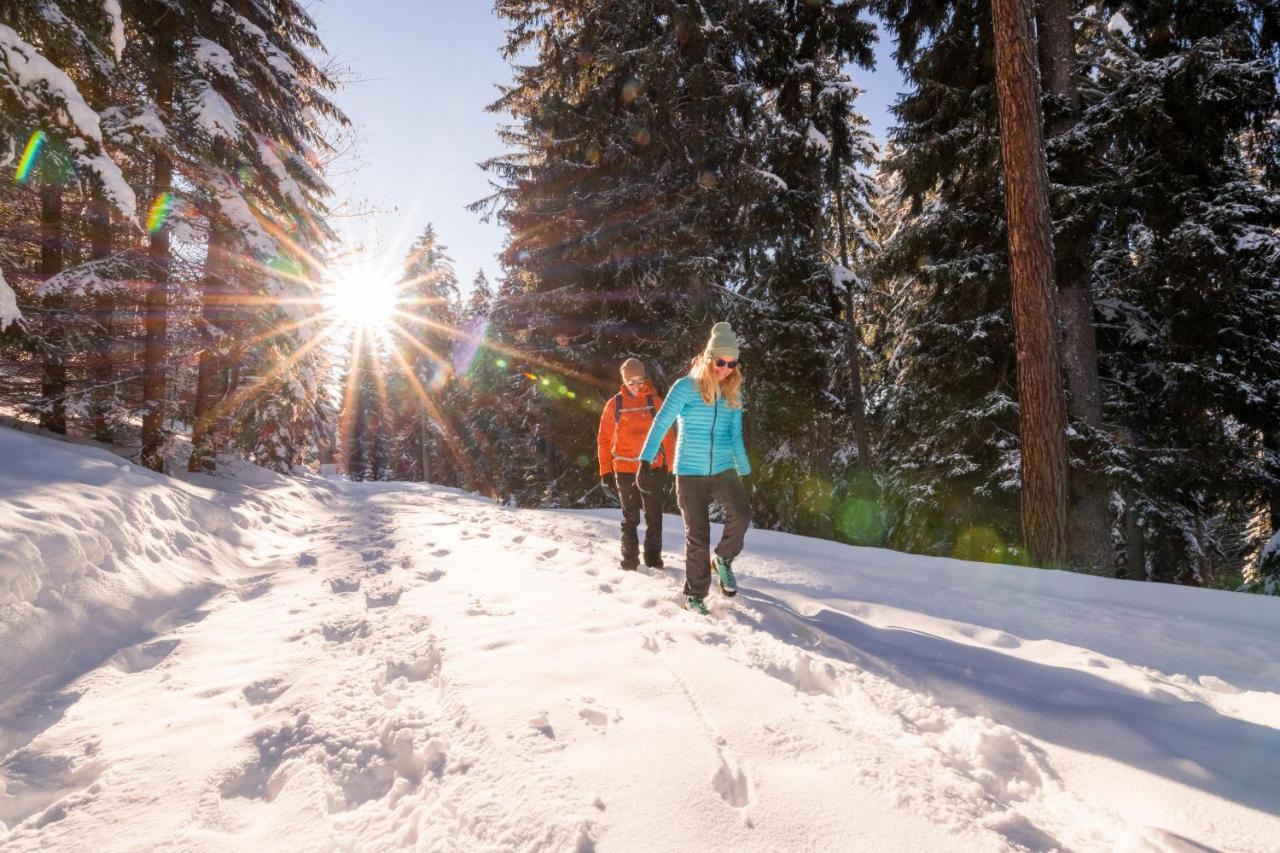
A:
[(617, 419)]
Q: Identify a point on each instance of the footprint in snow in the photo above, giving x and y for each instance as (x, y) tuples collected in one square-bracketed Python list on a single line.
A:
[(387, 596), (254, 587), (541, 723), (344, 630), (732, 784), (597, 717), (264, 690), (143, 656), (419, 665), (431, 576), (441, 552), (548, 554), (307, 560), (345, 583)]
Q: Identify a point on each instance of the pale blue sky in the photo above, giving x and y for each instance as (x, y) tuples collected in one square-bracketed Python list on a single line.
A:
[(424, 72)]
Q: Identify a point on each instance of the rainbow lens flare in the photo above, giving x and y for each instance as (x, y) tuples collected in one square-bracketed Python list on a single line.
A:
[(159, 213), (29, 157)]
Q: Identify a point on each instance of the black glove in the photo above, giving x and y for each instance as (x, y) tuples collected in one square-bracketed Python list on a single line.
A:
[(608, 482), (646, 479)]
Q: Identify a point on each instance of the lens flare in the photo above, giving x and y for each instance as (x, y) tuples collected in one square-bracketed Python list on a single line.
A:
[(29, 157), (159, 213), (467, 346), (360, 298), (861, 521)]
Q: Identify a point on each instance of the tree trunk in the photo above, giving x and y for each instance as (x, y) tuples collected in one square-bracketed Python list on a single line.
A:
[(155, 319), (1271, 444), (102, 365), (210, 372), (1135, 547), (1089, 542), (53, 389), (854, 339), (426, 460), (1041, 410)]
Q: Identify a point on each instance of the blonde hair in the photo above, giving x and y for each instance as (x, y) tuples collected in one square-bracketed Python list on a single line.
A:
[(704, 377)]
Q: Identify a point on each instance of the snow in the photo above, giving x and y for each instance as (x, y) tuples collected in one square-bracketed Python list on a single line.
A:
[(9, 312), (818, 139), (288, 186), (236, 209), (91, 277), (259, 662), (1118, 23), (772, 179), (111, 8), (211, 56), (120, 125), (45, 90), (212, 113)]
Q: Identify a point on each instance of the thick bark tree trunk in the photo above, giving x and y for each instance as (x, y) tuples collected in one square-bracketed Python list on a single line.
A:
[(53, 389), (1042, 412), (155, 320), (1089, 539), (102, 365)]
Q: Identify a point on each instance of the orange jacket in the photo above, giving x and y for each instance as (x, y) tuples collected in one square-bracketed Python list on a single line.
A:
[(622, 435)]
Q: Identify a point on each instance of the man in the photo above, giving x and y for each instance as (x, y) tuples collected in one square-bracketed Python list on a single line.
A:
[(623, 428)]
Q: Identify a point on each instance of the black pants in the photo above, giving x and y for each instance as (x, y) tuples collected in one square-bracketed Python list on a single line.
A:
[(632, 501), (695, 495)]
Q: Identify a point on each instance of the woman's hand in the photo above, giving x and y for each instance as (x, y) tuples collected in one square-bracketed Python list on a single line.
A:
[(646, 478)]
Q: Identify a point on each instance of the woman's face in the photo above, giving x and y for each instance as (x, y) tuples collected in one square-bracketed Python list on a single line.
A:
[(723, 367)]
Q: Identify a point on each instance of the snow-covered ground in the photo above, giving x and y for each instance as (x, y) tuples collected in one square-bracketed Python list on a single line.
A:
[(262, 663)]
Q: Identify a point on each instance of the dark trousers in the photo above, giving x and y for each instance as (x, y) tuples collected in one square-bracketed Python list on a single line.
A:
[(633, 500), (695, 495)]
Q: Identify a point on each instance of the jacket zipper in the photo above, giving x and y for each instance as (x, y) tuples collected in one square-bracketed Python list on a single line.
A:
[(715, 412)]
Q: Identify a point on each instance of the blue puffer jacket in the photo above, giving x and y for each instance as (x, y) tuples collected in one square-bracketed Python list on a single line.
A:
[(710, 436)]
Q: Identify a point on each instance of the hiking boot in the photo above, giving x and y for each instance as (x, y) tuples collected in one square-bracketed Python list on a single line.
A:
[(724, 574), (654, 561), (697, 604)]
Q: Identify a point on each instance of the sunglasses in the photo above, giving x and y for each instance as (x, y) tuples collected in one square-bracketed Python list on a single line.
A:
[(633, 382), (720, 362)]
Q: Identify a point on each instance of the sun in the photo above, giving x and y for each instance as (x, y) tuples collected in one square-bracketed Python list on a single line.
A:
[(361, 299)]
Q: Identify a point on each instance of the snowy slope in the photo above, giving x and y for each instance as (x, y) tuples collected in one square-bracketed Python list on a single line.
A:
[(259, 663)]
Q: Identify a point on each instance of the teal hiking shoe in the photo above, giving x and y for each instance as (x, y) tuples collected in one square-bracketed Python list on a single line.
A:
[(724, 573), (697, 604)]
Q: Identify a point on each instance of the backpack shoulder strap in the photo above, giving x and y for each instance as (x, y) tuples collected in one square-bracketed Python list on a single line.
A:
[(653, 411), (617, 410)]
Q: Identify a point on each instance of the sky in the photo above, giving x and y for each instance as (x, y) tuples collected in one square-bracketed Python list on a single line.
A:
[(420, 74)]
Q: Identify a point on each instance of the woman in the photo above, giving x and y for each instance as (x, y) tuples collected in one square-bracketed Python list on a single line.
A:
[(710, 461)]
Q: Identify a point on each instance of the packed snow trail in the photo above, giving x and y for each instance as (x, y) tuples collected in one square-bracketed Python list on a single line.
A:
[(392, 666)]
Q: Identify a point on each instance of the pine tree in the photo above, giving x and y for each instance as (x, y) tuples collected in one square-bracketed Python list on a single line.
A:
[(1183, 103), (946, 387), (422, 382), (671, 171)]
